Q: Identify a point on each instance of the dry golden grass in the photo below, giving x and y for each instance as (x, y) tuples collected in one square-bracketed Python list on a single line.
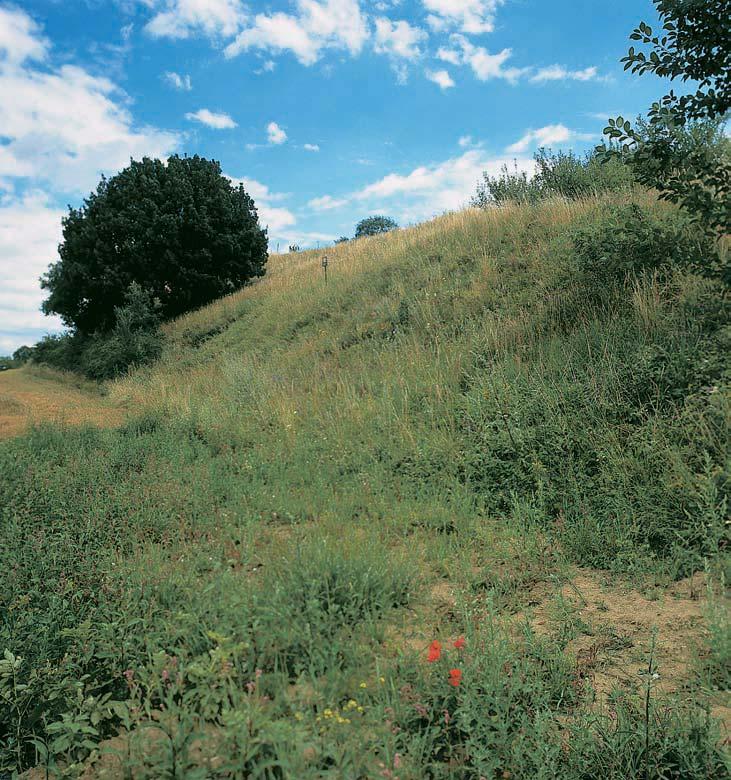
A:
[(29, 396)]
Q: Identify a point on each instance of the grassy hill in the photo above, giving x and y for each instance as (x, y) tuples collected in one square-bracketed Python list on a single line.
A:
[(504, 429)]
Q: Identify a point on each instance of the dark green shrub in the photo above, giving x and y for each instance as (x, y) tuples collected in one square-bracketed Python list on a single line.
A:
[(373, 226), (134, 340), (179, 228), (632, 240), (60, 351)]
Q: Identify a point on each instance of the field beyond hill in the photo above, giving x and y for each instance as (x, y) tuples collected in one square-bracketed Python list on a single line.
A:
[(458, 512)]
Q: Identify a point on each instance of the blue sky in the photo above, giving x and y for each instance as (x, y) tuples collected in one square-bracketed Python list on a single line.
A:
[(328, 110)]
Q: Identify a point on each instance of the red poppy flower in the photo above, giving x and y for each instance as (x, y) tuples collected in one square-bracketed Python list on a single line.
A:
[(455, 677), (459, 643), (435, 651)]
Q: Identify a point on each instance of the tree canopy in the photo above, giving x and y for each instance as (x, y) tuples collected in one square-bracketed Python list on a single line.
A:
[(372, 226), (681, 149), (178, 229)]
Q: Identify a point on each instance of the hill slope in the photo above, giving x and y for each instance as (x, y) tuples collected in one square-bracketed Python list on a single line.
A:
[(320, 480)]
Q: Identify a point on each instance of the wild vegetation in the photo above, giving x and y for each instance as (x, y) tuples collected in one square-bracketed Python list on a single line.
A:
[(339, 533), (154, 241), (461, 512)]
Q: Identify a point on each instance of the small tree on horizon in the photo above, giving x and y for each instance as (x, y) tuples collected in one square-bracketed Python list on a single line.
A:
[(372, 226)]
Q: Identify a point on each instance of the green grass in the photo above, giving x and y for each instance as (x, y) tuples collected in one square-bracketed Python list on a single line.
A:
[(260, 545)]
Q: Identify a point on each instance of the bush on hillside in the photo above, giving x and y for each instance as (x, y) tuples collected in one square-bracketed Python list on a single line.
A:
[(134, 340), (557, 174), (630, 240), (373, 226), (179, 229)]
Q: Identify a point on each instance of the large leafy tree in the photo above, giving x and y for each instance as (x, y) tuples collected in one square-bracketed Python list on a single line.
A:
[(372, 226), (681, 149), (178, 229)]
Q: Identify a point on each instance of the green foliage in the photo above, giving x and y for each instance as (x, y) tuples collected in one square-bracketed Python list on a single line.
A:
[(630, 240), (341, 240), (179, 229), (134, 340), (557, 174), (373, 226), (22, 355), (682, 150), (509, 187), (243, 580), (715, 663)]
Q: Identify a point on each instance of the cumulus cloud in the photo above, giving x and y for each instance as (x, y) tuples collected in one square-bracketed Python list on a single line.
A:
[(432, 189), (311, 147), (470, 16), (20, 37), (280, 221), (183, 83), (484, 65), (275, 134), (425, 191), (276, 218), (65, 126), (329, 24), (547, 136), (218, 121), (440, 77), (398, 39), (30, 230), (182, 18)]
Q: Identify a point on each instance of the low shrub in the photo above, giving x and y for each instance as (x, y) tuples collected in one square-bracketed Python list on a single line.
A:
[(556, 174)]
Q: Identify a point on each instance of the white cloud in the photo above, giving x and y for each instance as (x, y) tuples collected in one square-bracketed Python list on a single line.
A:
[(470, 16), (280, 221), (181, 18), (326, 203), (440, 77), (311, 147), (561, 73), (218, 121), (427, 190), (65, 127), (336, 24), (484, 64), (276, 218), (20, 37), (465, 141), (449, 55), (30, 230), (398, 39), (432, 189), (177, 81), (275, 134), (546, 136)]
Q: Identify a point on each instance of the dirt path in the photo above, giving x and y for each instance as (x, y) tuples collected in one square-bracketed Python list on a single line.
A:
[(27, 397)]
